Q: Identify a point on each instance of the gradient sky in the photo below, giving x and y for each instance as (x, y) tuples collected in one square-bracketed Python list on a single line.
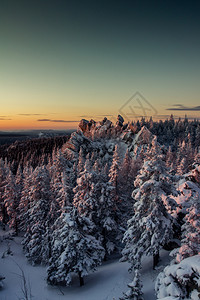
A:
[(64, 60)]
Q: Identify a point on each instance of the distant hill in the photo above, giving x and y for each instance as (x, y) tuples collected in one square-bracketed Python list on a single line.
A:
[(32, 147), (9, 137)]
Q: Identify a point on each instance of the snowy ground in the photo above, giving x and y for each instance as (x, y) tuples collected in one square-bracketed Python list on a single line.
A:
[(108, 283)]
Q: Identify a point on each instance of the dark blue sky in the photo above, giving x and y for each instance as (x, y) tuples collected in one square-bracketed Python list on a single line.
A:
[(91, 56)]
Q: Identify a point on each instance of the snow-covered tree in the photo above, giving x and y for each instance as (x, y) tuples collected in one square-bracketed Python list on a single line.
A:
[(126, 172), (61, 191), (170, 160), (24, 204), (190, 243), (81, 161), (114, 170), (151, 226), (3, 175), (93, 199), (19, 180), (197, 136), (83, 200), (180, 281), (74, 250), (135, 288), (182, 167), (59, 161), (35, 242), (11, 201), (115, 188)]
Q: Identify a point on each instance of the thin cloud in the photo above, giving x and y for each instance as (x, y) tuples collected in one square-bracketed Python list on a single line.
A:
[(4, 119), (27, 115), (181, 107), (95, 116), (104, 115), (85, 116), (57, 121)]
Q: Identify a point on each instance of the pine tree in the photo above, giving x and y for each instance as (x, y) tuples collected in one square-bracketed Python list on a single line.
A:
[(83, 200), (93, 198), (125, 172), (3, 175), (114, 171), (190, 243), (19, 179), (35, 242), (75, 250), (127, 175), (197, 136), (106, 216), (151, 226), (182, 167), (11, 201), (24, 204), (170, 160), (135, 288), (113, 187), (81, 161), (59, 162)]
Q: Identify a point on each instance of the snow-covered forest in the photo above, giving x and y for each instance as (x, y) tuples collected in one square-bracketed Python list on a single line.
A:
[(123, 192)]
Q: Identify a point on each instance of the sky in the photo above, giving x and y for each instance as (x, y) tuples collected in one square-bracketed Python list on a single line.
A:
[(61, 61)]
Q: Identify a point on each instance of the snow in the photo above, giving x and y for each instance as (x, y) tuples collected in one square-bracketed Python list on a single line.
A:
[(178, 280), (107, 283), (187, 189), (149, 275)]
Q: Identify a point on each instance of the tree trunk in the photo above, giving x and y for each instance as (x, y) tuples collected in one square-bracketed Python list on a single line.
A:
[(49, 243), (104, 243), (81, 280), (16, 227), (4, 218), (155, 259)]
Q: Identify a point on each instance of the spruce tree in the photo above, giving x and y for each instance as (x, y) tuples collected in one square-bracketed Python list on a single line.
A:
[(35, 242), (74, 250), (11, 202), (135, 288), (4, 171), (151, 226), (190, 243)]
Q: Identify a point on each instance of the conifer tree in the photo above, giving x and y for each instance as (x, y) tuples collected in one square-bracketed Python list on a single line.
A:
[(24, 204), (113, 187), (81, 161), (127, 175), (135, 288), (190, 243), (114, 171), (3, 175), (75, 250), (170, 160), (93, 199), (151, 226), (35, 242), (182, 167), (11, 202)]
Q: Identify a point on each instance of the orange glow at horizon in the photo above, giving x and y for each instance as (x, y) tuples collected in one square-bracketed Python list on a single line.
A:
[(17, 123), (63, 122)]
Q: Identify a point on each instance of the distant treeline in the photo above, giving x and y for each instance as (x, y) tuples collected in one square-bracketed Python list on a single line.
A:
[(32, 152), (171, 132)]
